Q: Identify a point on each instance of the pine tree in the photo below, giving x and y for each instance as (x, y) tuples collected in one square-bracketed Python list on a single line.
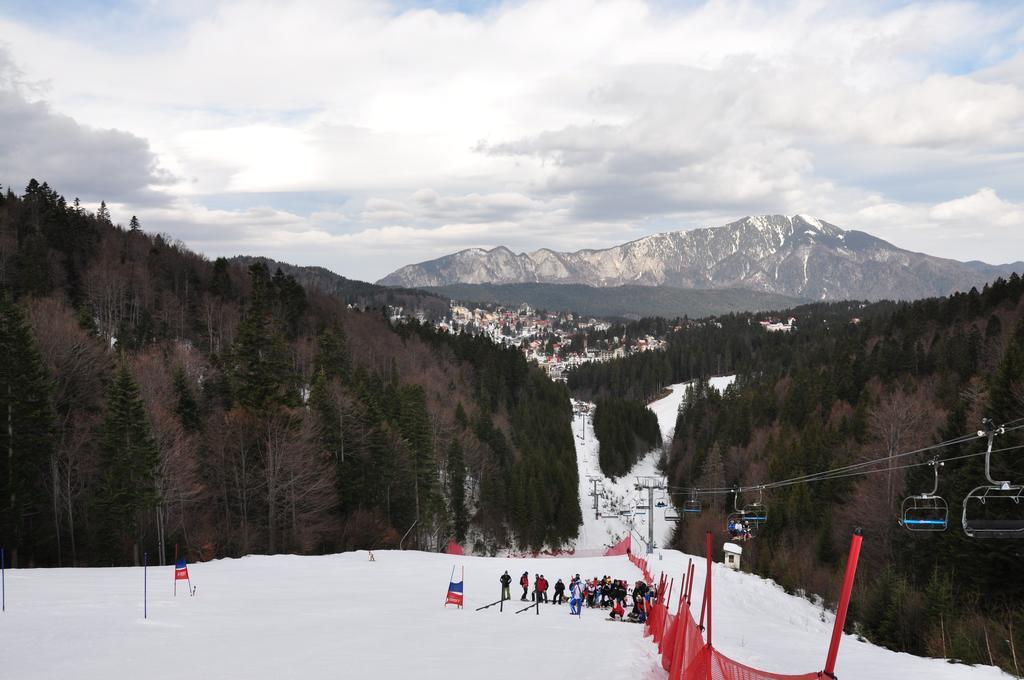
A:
[(186, 408), (457, 490), (261, 372), (414, 423), (133, 225), (332, 357), (26, 434), (128, 462), (712, 475)]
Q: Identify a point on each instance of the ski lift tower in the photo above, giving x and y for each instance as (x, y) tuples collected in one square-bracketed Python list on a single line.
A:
[(652, 484), (595, 481)]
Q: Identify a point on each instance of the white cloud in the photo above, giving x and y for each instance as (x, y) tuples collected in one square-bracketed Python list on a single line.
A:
[(979, 226), (540, 124), (983, 207)]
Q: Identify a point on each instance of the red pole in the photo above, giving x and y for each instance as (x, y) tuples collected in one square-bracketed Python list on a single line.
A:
[(703, 606), (709, 587), (844, 603)]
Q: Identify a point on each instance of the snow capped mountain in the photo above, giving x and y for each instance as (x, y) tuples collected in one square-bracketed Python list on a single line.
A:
[(800, 256)]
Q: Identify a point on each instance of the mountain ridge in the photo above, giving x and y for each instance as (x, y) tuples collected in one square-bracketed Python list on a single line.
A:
[(800, 256)]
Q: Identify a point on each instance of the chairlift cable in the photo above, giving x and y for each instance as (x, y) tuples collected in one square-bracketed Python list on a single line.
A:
[(854, 469)]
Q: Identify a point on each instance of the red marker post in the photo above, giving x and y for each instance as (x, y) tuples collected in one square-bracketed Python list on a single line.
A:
[(844, 603)]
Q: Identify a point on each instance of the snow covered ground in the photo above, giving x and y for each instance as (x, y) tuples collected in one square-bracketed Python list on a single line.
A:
[(338, 616), (342, 616)]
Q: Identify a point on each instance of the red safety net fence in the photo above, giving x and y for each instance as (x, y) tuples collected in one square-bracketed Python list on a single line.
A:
[(621, 548), (638, 562), (687, 655)]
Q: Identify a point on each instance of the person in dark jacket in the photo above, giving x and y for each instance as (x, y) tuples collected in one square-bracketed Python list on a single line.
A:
[(524, 581), (505, 581), (559, 597)]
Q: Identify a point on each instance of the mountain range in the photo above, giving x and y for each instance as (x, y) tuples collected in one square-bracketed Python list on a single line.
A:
[(799, 256)]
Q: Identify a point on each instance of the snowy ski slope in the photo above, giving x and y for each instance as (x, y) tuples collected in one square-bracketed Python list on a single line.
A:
[(619, 495), (342, 616)]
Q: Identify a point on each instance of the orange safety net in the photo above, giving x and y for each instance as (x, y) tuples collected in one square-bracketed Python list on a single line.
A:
[(639, 563), (686, 655), (623, 547), (710, 664)]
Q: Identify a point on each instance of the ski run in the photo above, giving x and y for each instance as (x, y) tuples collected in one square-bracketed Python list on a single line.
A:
[(345, 616)]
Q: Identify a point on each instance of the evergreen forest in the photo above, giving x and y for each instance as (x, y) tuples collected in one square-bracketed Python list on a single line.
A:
[(156, 401), (625, 431)]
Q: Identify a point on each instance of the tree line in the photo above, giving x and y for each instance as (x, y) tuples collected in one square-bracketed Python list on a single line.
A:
[(155, 399)]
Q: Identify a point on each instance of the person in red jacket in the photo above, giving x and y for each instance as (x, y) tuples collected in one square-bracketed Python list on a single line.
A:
[(543, 597), (617, 610), (524, 581)]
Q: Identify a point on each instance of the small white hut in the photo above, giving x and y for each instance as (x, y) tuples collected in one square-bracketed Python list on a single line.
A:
[(732, 555)]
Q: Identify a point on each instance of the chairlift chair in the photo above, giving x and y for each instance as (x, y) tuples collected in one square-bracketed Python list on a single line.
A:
[(927, 511), (671, 515), (692, 506), (996, 509), (994, 512), (756, 513)]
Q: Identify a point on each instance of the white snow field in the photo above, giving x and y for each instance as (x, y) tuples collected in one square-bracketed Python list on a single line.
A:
[(342, 616), (337, 616)]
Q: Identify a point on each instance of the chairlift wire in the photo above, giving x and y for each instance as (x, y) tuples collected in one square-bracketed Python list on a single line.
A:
[(855, 469)]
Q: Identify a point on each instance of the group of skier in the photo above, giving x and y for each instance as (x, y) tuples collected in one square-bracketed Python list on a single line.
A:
[(598, 593)]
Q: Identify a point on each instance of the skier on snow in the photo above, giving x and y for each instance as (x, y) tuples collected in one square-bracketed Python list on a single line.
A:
[(559, 597), (505, 581)]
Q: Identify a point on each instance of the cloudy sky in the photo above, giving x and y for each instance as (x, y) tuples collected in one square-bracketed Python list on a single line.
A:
[(366, 135)]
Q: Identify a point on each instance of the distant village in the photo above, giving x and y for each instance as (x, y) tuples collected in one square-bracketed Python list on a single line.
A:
[(556, 341)]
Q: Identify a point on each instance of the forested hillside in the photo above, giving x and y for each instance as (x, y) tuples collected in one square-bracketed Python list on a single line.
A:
[(153, 398), (357, 293), (625, 430), (855, 383)]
